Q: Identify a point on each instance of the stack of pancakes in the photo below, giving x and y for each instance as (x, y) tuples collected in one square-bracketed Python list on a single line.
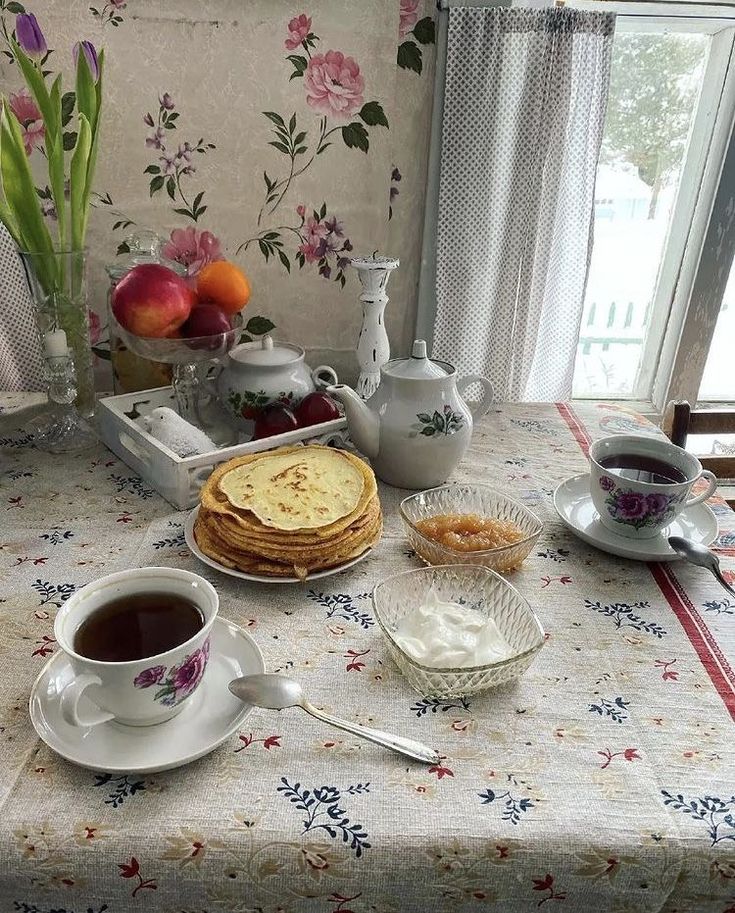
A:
[(289, 512)]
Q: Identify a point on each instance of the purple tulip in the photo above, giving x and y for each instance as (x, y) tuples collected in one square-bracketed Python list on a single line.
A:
[(90, 55), (29, 35), (166, 102)]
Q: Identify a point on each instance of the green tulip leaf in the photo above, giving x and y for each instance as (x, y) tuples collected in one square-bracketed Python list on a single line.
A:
[(78, 174), (20, 192), (55, 145), (36, 84)]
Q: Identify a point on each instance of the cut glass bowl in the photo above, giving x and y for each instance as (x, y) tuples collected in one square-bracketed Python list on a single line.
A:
[(175, 351), (469, 499), (477, 588)]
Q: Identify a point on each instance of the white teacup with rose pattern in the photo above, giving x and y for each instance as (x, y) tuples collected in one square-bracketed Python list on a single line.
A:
[(139, 692), (638, 509)]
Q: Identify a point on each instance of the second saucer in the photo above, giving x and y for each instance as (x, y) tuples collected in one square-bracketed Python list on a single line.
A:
[(573, 503)]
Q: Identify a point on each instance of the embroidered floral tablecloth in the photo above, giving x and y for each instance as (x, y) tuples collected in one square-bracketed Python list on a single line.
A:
[(604, 781)]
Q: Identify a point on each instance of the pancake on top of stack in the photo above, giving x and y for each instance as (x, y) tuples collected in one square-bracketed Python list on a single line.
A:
[(289, 512)]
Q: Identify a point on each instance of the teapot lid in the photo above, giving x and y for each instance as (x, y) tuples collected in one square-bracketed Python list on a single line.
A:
[(266, 352), (419, 366)]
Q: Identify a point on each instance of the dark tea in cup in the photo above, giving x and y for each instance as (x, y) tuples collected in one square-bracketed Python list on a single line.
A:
[(137, 626), (640, 467)]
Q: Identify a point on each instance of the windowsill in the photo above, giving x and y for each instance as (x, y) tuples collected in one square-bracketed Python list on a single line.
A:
[(645, 407)]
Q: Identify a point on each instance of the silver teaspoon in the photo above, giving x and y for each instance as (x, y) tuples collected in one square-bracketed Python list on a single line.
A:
[(276, 692), (701, 556)]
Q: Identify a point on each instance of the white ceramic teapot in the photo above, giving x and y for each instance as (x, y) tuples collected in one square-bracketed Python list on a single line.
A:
[(255, 374), (416, 427)]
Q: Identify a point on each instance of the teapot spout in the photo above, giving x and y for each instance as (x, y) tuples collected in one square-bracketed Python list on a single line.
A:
[(361, 420)]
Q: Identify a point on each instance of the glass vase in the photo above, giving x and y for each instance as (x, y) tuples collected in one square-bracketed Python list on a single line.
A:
[(58, 290)]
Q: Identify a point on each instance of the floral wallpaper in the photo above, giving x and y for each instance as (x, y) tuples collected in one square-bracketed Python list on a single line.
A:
[(284, 137)]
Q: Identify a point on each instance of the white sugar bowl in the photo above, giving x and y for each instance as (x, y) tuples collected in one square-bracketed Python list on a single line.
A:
[(255, 374)]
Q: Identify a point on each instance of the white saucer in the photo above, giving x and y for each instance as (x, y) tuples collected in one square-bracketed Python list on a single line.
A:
[(210, 717), (258, 578), (573, 503)]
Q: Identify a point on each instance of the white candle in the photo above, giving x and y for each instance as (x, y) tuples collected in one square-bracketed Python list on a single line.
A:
[(55, 343)]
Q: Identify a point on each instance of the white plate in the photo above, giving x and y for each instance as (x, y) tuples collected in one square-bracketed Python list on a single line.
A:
[(211, 716), (258, 578), (573, 503)]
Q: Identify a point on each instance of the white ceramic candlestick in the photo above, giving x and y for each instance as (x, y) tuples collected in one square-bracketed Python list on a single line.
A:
[(373, 348)]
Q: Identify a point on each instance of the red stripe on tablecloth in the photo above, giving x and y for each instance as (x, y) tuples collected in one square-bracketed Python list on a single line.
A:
[(575, 426), (700, 637)]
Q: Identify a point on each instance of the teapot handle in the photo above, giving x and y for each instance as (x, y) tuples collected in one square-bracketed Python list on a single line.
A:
[(318, 377), (483, 407)]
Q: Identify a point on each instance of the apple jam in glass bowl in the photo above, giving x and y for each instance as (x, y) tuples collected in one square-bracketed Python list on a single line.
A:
[(469, 524)]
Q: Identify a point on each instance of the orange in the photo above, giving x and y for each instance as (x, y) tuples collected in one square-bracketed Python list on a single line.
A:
[(224, 284)]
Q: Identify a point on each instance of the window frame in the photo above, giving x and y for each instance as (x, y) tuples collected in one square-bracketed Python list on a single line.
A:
[(705, 267), (696, 190)]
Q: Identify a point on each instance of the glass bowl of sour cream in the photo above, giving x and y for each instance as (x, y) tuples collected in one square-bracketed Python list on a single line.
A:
[(455, 630)]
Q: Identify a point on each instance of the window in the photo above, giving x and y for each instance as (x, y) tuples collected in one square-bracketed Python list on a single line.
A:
[(664, 105), (718, 380)]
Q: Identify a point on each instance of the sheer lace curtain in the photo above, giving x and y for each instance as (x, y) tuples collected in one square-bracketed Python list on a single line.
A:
[(21, 365), (524, 109)]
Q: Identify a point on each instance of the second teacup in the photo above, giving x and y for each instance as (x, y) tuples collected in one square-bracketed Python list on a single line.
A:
[(639, 484)]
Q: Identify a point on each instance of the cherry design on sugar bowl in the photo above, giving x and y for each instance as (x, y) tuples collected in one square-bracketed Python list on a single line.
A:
[(255, 374), (416, 427)]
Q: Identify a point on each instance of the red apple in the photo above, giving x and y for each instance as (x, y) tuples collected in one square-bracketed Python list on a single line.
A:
[(152, 300), (208, 321), (274, 419), (316, 408)]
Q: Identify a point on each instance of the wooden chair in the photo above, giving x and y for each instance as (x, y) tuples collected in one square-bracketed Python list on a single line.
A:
[(680, 420)]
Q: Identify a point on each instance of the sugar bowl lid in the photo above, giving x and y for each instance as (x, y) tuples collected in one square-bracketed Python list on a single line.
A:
[(419, 366), (266, 353)]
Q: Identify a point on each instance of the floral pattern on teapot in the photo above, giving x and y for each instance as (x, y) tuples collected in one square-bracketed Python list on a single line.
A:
[(445, 422)]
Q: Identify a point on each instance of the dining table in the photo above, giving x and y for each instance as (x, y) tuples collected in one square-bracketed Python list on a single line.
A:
[(602, 780)]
